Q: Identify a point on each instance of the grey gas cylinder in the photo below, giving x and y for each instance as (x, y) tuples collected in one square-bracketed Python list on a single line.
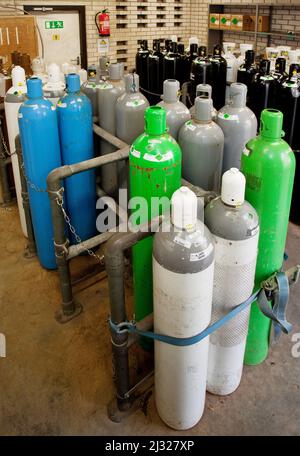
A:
[(204, 90), (89, 88), (108, 92), (130, 109), (202, 142), (177, 112), (239, 125)]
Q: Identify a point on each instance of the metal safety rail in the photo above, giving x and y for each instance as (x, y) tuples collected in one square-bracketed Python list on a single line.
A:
[(65, 252)]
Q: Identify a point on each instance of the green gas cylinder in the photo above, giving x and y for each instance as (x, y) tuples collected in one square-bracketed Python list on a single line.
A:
[(154, 171), (269, 166)]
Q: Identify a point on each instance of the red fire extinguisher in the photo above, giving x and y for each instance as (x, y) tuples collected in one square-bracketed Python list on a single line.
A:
[(102, 23)]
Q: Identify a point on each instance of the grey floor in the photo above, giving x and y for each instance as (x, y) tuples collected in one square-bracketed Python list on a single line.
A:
[(56, 379)]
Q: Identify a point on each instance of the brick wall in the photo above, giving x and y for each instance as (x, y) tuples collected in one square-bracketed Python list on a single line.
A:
[(132, 20)]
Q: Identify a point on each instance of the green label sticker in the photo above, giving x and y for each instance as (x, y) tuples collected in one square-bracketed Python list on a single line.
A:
[(235, 21), (213, 19), (223, 20), (226, 116), (49, 25)]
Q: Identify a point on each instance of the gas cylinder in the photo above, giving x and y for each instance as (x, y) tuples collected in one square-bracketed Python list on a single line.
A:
[(218, 77), (14, 97), (204, 90), (76, 138), (89, 88), (244, 47), (289, 103), (183, 67), (82, 73), (108, 93), (268, 164), (202, 142), (279, 73), (262, 89), (38, 69), (231, 60), (200, 71), (102, 70), (170, 62), (154, 171), (54, 88), (177, 112), (238, 124), (130, 109), (247, 70), (41, 154), (141, 65), (167, 46), (183, 268), (234, 225), (155, 73)]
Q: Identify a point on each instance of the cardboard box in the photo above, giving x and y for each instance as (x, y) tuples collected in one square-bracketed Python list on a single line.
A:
[(214, 21), (247, 23), (236, 22), (263, 23), (225, 21)]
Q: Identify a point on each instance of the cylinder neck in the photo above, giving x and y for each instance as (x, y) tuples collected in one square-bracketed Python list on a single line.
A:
[(202, 51), (156, 45), (264, 66), (238, 95), (180, 48), (217, 51), (193, 49), (280, 65), (294, 70), (203, 90), (73, 83), (155, 121), (171, 91), (131, 83), (271, 124), (34, 88), (173, 47), (203, 109)]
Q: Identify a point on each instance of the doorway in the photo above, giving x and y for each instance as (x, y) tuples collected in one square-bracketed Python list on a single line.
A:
[(63, 32)]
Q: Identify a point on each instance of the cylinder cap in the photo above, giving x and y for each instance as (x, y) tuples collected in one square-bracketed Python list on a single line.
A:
[(271, 124), (53, 71), (115, 71), (18, 76), (203, 89), (132, 82), (155, 120), (233, 187), (193, 40), (73, 82), (171, 90), (238, 94), (203, 109), (34, 88), (184, 209), (264, 66)]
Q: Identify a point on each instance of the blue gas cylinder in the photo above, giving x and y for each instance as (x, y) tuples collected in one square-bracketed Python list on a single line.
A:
[(41, 152), (75, 120)]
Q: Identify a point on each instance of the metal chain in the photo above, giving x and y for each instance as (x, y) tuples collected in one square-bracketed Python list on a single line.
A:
[(6, 152), (60, 203), (31, 184)]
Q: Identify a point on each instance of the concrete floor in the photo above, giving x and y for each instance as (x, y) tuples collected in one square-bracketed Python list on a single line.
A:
[(56, 379)]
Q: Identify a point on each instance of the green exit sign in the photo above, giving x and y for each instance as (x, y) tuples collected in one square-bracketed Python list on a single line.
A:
[(54, 25)]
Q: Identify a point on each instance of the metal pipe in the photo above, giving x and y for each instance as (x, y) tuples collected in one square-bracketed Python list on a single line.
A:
[(61, 243), (6, 193), (31, 247), (118, 143), (114, 263)]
